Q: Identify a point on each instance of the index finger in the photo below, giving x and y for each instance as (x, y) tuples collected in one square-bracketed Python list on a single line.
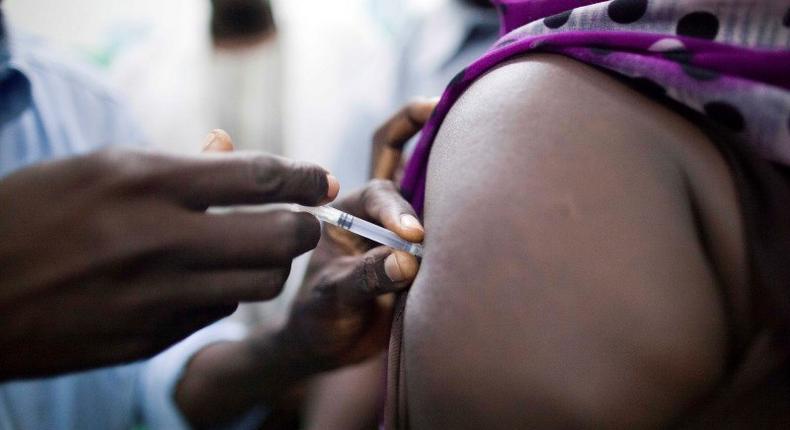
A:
[(405, 123), (225, 179), (389, 139), (381, 202)]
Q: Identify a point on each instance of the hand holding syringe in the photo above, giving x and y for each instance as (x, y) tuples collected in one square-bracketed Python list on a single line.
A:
[(361, 227)]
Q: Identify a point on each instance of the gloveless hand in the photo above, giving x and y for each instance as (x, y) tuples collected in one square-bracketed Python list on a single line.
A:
[(344, 311), (111, 257), (342, 315)]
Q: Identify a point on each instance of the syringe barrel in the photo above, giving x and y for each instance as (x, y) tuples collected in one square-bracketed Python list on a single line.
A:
[(365, 229), (378, 234)]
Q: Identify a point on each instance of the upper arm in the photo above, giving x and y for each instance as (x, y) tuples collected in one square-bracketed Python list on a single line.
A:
[(564, 282)]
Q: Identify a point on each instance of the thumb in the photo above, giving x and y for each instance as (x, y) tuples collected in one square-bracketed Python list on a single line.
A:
[(380, 271), (218, 141)]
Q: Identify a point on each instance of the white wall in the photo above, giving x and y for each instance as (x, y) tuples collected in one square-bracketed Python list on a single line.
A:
[(84, 23), (90, 25), (340, 57)]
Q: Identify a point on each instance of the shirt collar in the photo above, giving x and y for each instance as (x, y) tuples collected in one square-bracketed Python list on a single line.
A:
[(15, 91)]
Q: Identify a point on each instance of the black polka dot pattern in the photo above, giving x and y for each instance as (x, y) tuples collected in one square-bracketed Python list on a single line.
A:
[(701, 55), (679, 56), (542, 45), (726, 115), (558, 20), (700, 73), (627, 11), (684, 57), (703, 25)]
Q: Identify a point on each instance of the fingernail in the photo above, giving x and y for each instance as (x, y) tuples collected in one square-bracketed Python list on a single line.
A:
[(209, 140), (392, 268), (333, 188), (410, 222)]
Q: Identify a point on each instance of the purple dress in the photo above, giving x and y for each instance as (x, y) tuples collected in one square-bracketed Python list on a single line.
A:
[(724, 65), (728, 59)]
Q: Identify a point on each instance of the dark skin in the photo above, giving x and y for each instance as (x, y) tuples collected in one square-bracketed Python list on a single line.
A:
[(111, 257), (575, 279), (390, 138), (349, 398), (340, 318)]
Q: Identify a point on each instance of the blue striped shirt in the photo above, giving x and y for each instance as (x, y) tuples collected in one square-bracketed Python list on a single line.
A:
[(52, 108)]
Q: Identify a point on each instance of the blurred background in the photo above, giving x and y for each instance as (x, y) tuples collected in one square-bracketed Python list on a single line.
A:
[(307, 79), (336, 57)]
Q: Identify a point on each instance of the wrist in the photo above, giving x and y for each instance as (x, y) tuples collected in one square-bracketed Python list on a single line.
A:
[(281, 353), (226, 379)]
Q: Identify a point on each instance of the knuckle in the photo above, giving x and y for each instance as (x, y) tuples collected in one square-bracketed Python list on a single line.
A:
[(301, 232), (296, 181), (376, 194), (412, 114), (308, 184), (367, 277), (415, 103), (108, 155), (382, 185), (267, 173), (116, 158), (372, 189), (287, 222), (123, 167), (97, 165), (416, 109)]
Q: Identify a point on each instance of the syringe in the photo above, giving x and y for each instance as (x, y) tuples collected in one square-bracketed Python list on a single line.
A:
[(362, 228)]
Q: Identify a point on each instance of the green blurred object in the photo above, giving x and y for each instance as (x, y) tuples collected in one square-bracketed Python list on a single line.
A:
[(121, 37)]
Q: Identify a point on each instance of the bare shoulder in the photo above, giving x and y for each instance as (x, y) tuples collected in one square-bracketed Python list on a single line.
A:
[(566, 281)]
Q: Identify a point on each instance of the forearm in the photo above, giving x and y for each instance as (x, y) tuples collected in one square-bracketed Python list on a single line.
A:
[(346, 399), (225, 380)]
